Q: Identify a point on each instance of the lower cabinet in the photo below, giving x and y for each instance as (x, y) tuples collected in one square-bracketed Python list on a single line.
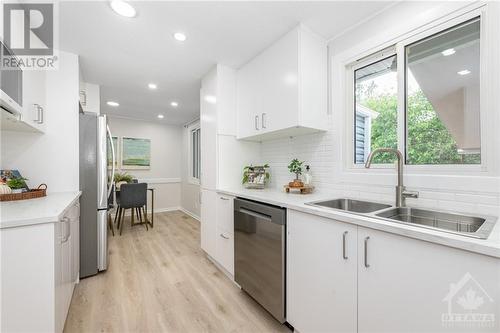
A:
[(217, 235), (388, 283), (321, 274), (40, 266)]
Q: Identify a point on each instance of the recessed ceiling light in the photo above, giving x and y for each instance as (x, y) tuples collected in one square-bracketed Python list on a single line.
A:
[(211, 99), (123, 8), (111, 103), (174, 104), (160, 116), (463, 72), (180, 36), (152, 86), (448, 52)]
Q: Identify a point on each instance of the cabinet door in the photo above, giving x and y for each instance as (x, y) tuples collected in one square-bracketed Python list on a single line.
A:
[(34, 99), (208, 123), (225, 232), (248, 100), (278, 81), (321, 276), (208, 222), (412, 285)]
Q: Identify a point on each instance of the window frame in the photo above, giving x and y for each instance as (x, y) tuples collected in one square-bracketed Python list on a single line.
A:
[(397, 47), (191, 129)]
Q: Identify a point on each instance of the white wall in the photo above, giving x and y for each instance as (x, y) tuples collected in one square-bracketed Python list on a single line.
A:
[(190, 201), (476, 193), (50, 158), (166, 147)]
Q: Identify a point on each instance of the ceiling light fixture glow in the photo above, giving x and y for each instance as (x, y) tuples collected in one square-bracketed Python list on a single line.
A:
[(181, 37), (211, 99), (448, 52), (160, 116), (123, 8), (174, 104), (114, 104), (463, 72), (152, 86)]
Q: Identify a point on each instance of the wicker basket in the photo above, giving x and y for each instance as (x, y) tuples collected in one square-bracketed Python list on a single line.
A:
[(39, 192)]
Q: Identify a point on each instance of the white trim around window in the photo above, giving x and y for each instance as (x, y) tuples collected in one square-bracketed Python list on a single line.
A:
[(194, 153), (423, 175)]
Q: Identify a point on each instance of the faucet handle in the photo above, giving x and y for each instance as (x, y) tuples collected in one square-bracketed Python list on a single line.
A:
[(410, 194)]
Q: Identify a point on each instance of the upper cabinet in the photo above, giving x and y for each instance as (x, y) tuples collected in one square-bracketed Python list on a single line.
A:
[(34, 100), (90, 97), (283, 91)]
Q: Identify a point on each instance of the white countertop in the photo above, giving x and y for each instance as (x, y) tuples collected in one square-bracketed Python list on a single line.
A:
[(490, 246), (36, 211)]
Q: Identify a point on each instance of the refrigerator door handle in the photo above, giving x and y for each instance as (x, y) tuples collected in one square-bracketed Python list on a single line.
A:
[(102, 164), (113, 159)]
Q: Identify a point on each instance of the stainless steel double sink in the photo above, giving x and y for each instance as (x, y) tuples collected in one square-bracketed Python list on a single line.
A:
[(465, 225)]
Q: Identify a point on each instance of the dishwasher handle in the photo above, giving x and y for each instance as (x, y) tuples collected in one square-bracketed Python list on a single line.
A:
[(255, 214)]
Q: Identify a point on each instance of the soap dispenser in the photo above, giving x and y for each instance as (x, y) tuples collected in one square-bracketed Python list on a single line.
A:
[(307, 176)]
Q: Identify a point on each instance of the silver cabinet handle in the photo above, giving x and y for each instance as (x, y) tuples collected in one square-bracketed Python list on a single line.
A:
[(40, 112), (257, 123), (344, 254), (67, 229), (222, 198), (224, 236), (263, 120), (366, 252)]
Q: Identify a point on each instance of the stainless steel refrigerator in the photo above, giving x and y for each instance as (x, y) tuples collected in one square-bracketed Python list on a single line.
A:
[(95, 138)]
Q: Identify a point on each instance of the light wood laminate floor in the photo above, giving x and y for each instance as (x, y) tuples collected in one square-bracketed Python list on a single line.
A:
[(161, 281)]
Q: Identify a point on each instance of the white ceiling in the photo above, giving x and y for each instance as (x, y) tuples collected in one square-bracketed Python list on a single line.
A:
[(123, 55)]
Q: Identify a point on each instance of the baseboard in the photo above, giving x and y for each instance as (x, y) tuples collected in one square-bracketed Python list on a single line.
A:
[(187, 212)]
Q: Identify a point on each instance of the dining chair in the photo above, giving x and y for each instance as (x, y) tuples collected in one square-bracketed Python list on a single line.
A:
[(111, 204), (133, 197)]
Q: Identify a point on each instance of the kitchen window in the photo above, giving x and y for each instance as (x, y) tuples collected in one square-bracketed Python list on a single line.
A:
[(195, 155), (434, 116)]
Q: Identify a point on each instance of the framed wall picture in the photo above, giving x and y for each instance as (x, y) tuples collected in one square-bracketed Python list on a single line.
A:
[(117, 152), (136, 153)]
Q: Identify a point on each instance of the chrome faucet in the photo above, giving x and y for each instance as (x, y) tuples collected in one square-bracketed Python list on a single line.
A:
[(401, 193)]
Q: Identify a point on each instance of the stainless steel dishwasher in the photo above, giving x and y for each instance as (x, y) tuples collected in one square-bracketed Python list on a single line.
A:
[(259, 253)]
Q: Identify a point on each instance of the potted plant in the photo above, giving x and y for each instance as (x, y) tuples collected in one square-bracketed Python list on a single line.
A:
[(122, 178), (295, 167), (17, 184)]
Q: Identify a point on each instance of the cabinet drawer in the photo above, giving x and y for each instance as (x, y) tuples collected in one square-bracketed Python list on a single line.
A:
[(225, 213), (225, 250)]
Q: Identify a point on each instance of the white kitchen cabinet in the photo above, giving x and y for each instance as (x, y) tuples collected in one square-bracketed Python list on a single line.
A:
[(321, 274), (208, 126), (217, 238), (389, 283), (283, 90), (208, 221), (225, 232), (39, 271), (34, 100), (406, 286), (90, 97)]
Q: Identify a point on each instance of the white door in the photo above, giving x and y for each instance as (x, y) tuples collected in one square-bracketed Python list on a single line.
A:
[(208, 222), (403, 285), (248, 100), (321, 275)]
